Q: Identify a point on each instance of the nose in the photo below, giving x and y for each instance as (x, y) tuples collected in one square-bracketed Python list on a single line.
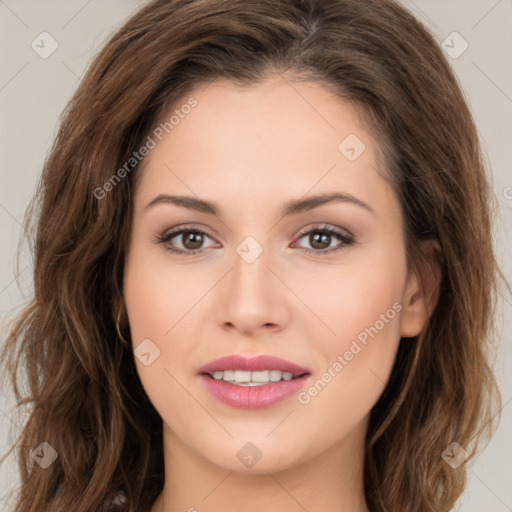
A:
[(253, 299)]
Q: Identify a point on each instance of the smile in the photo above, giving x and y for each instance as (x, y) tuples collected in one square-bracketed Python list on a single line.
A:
[(252, 382)]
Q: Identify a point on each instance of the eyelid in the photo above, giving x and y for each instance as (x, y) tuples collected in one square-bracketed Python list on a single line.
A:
[(320, 226), (186, 227)]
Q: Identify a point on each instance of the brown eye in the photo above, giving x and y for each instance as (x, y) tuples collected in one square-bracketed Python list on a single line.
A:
[(189, 241), (321, 238), (192, 239)]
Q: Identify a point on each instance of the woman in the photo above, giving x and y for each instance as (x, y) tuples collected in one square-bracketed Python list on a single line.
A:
[(185, 349)]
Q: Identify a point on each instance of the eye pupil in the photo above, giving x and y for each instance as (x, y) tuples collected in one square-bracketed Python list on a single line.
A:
[(322, 238), (195, 238)]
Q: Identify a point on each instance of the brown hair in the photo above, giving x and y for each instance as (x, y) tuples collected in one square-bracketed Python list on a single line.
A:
[(84, 395)]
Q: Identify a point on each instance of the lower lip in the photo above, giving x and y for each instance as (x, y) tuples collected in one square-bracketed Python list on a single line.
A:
[(253, 397)]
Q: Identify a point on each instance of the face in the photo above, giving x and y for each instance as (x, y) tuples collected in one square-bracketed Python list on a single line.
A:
[(323, 285)]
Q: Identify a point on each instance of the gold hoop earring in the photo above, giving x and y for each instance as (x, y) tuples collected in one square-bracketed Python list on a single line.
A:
[(119, 331)]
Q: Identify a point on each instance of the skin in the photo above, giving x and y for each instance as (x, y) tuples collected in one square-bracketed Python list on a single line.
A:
[(250, 150)]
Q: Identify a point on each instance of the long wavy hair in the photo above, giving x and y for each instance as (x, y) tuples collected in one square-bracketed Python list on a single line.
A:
[(81, 388)]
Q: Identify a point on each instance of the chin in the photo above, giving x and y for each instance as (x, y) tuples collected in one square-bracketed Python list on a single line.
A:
[(257, 457)]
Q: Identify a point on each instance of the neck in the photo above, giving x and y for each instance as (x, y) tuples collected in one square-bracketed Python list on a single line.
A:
[(331, 481)]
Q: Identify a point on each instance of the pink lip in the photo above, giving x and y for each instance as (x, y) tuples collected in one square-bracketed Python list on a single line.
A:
[(253, 397), (253, 364)]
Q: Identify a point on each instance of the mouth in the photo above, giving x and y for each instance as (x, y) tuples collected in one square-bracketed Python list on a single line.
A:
[(252, 382)]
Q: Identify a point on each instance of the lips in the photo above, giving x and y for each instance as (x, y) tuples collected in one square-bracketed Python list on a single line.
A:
[(253, 364), (258, 396)]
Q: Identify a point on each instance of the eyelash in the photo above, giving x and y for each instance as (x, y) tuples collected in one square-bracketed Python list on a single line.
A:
[(346, 240)]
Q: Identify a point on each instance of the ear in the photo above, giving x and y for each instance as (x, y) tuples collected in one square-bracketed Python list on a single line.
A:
[(421, 291)]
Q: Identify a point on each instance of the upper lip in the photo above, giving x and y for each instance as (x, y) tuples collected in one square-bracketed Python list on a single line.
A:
[(253, 364)]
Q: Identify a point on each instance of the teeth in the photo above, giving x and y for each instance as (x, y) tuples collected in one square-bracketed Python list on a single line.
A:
[(261, 376), (229, 376), (275, 375), (245, 378), (241, 376)]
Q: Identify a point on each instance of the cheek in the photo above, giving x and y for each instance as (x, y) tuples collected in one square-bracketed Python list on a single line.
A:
[(354, 294), (345, 299), (360, 306), (157, 296), (155, 302)]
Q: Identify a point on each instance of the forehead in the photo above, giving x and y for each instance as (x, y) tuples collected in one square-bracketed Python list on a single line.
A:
[(259, 142)]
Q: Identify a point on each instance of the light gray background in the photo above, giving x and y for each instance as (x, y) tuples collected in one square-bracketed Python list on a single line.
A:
[(34, 91)]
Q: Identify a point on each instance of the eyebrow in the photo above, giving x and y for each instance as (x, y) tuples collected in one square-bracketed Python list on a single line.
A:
[(290, 208)]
